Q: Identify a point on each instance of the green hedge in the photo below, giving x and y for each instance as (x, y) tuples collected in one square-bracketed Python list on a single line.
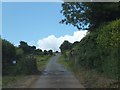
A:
[(99, 49), (24, 65)]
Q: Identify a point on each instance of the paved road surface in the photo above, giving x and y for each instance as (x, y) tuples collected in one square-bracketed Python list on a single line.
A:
[(56, 76)]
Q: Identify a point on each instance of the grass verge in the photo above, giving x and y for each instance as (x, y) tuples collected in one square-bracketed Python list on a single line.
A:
[(10, 79), (89, 78), (42, 61)]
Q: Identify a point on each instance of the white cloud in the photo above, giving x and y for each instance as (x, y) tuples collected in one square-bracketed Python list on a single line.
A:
[(52, 42)]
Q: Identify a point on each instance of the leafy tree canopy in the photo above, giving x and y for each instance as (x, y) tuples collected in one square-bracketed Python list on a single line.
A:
[(45, 52), (26, 48), (50, 52), (89, 15), (66, 45)]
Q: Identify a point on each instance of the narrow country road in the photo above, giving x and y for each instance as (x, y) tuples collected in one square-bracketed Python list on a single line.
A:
[(56, 76)]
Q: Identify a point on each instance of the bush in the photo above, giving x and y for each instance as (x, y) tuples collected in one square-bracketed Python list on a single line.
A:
[(24, 65), (99, 49), (109, 41), (109, 36), (8, 54)]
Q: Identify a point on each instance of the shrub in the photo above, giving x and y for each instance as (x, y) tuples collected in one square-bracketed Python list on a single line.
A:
[(8, 54), (99, 49)]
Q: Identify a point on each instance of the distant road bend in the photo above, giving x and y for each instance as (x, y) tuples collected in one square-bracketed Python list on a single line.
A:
[(56, 76)]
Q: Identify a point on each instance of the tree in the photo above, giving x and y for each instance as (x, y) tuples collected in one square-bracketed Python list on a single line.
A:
[(50, 52), (89, 15), (38, 51), (75, 43), (56, 52), (66, 45), (33, 47), (24, 46), (45, 52), (8, 52)]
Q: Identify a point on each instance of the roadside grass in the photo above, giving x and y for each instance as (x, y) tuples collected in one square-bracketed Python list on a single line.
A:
[(64, 62), (42, 61), (89, 78), (10, 79)]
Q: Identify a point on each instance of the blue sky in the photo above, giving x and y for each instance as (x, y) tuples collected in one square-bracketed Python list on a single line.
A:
[(32, 22)]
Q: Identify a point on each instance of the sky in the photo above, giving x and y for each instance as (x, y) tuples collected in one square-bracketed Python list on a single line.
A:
[(37, 24)]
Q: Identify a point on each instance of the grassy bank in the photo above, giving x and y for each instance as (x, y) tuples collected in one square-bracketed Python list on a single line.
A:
[(87, 77), (10, 79), (42, 61)]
